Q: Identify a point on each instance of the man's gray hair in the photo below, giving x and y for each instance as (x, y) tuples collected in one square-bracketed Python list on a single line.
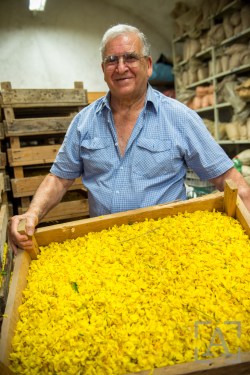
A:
[(119, 29)]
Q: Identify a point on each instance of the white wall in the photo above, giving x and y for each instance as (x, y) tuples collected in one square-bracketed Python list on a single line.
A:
[(52, 49)]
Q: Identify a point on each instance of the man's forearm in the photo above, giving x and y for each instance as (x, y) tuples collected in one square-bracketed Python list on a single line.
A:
[(243, 187), (48, 195)]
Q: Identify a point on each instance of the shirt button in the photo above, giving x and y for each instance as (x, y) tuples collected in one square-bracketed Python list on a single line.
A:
[(116, 144)]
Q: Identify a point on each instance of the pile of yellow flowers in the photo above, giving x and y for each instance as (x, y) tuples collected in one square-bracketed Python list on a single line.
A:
[(136, 297)]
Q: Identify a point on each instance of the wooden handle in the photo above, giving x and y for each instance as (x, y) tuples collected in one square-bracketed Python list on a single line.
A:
[(34, 251), (230, 198), (4, 370)]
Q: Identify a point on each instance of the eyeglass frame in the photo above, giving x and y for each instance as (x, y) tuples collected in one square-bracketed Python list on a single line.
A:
[(124, 56)]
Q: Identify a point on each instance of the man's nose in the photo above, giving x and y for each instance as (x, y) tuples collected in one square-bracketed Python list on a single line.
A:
[(121, 65)]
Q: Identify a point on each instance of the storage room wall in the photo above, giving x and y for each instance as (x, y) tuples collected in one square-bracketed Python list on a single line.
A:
[(54, 48)]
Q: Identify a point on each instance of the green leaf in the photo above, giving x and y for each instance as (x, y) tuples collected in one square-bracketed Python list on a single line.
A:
[(74, 286)]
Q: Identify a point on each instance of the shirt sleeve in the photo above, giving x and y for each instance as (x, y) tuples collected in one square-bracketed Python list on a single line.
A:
[(203, 154), (68, 163)]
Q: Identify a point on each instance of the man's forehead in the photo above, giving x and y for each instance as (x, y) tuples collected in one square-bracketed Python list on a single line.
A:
[(125, 42)]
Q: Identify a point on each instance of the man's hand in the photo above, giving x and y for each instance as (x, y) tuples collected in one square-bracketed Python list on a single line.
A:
[(236, 176), (47, 196), (17, 240)]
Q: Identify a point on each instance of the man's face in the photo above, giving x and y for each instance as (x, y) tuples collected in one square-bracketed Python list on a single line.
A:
[(126, 76)]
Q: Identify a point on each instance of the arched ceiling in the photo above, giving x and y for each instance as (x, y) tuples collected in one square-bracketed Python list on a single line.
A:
[(156, 13)]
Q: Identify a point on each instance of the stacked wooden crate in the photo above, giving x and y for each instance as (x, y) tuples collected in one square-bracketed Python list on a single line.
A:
[(5, 182), (6, 263), (35, 122), (2, 154), (6, 210), (94, 95)]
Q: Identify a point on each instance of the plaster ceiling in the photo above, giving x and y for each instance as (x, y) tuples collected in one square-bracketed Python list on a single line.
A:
[(156, 13)]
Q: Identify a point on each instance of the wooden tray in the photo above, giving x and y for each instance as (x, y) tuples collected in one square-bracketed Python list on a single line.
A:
[(227, 202)]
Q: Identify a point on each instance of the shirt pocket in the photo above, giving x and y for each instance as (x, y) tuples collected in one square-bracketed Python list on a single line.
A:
[(96, 155), (153, 157)]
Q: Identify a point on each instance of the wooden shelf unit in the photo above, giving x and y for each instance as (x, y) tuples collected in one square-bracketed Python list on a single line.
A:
[(219, 113)]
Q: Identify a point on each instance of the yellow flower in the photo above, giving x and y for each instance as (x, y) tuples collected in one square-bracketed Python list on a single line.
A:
[(136, 297)]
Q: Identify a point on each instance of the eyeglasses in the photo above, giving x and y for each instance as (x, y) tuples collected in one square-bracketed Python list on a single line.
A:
[(130, 59)]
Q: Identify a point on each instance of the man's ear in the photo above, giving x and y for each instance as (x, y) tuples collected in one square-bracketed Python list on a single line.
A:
[(150, 66)]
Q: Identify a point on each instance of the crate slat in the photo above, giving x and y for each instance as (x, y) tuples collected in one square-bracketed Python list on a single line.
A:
[(64, 210), (4, 216), (19, 98), (78, 228), (1, 130), (32, 155), (37, 126), (3, 160), (2, 186), (4, 285), (27, 186), (18, 284), (94, 95)]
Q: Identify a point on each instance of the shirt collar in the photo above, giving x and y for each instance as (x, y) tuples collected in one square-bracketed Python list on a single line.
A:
[(104, 102), (151, 100)]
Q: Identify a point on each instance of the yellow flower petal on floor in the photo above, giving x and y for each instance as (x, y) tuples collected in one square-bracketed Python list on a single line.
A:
[(136, 297)]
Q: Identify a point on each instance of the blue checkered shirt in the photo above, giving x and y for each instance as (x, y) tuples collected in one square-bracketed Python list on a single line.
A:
[(167, 139)]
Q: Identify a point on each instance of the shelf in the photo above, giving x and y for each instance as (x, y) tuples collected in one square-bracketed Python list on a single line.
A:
[(242, 68), (205, 109), (220, 75), (197, 55), (180, 38), (237, 142), (223, 10), (211, 108), (204, 52), (226, 8), (235, 37), (219, 112), (222, 105), (198, 83), (183, 62)]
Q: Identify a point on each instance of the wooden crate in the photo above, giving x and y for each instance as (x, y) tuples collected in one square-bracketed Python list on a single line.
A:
[(5, 212), (1, 131), (2, 187), (27, 186), (94, 95), (227, 202), (4, 216), (5, 283), (74, 205), (35, 122), (6, 270), (3, 156)]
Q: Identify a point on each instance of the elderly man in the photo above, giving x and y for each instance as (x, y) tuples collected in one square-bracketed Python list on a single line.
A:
[(131, 147)]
